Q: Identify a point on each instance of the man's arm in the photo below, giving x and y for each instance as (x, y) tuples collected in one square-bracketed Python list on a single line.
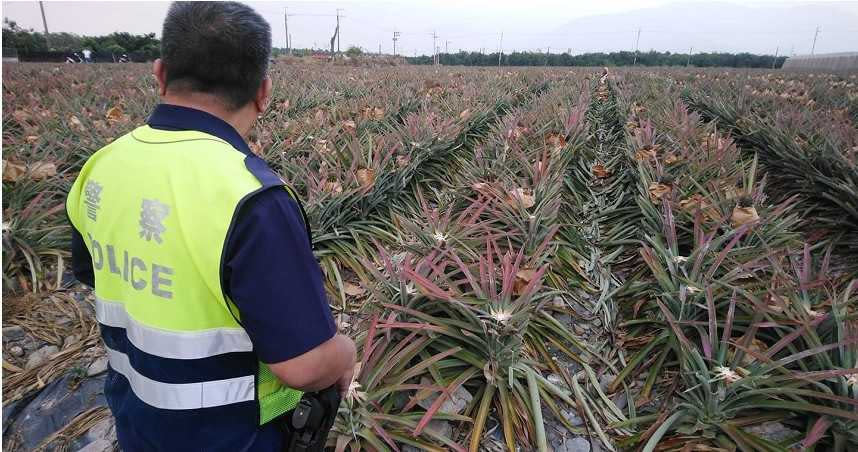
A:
[(81, 260), (273, 278), (328, 364)]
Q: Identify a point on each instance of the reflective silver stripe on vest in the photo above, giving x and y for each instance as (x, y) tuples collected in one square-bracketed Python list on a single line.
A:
[(186, 396), (172, 344)]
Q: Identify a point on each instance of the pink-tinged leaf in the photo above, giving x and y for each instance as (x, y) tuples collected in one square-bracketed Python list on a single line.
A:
[(374, 357), (426, 285), (804, 276), (826, 261), (703, 248), (394, 351), (818, 375), (342, 443), (815, 351), (548, 237), (705, 343), (507, 276), (370, 337), (418, 368), (458, 381), (421, 394), (470, 277), (669, 226), (728, 326), (786, 340), (412, 326), (816, 432), (383, 434), (390, 318), (531, 286), (673, 325), (699, 237), (712, 317), (723, 254), (490, 266)]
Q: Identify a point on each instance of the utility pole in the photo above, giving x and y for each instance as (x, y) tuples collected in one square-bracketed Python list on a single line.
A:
[(500, 49), (447, 46), (45, 23), (688, 61), (637, 41), (777, 49), (812, 49), (434, 48), (286, 26), (379, 49), (338, 29), (395, 38)]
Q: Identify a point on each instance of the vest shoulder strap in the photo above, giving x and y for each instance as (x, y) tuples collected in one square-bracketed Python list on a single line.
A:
[(269, 179)]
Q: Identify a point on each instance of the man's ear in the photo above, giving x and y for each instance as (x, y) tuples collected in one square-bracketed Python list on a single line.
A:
[(160, 73), (263, 95)]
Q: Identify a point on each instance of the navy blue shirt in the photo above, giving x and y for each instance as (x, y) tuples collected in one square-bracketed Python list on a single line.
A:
[(269, 272)]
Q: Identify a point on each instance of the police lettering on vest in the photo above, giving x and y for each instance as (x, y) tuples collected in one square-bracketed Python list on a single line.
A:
[(134, 270)]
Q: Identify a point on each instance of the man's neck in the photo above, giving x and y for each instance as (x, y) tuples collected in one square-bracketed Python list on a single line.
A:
[(211, 106)]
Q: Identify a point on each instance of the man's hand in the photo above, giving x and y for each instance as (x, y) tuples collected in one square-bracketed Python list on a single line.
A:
[(330, 363), (345, 381)]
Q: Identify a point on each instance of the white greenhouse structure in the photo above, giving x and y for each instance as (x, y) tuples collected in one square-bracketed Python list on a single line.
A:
[(846, 61)]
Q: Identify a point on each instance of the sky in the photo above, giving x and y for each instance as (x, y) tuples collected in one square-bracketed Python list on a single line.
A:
[(760, 26)]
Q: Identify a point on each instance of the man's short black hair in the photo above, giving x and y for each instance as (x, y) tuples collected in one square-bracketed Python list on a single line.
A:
[(220, 48)]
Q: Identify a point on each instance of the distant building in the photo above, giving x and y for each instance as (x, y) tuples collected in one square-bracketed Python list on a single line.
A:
[(846, 61)]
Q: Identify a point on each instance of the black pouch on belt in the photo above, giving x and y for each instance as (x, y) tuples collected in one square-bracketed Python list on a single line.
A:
[(307, 426)]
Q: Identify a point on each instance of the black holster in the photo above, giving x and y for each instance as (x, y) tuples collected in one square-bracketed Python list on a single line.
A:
[(307, 426)]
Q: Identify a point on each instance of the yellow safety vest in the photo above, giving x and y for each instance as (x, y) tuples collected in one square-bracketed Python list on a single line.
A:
[(156, 240)]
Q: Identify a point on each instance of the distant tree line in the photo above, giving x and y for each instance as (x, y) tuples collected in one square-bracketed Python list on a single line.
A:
[(624, 58), (30, 43)]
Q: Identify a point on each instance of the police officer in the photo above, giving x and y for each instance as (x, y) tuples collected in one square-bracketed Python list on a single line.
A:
[(209, 299)]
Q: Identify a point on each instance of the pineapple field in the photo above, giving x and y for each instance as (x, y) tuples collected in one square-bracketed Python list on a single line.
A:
[(528, 259)]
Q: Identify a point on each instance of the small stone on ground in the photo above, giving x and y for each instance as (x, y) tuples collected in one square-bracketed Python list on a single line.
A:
[(12, 333), (772, 431), (577, 444), (98, 366), (454, 404), (573, 418), (40, 356)]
